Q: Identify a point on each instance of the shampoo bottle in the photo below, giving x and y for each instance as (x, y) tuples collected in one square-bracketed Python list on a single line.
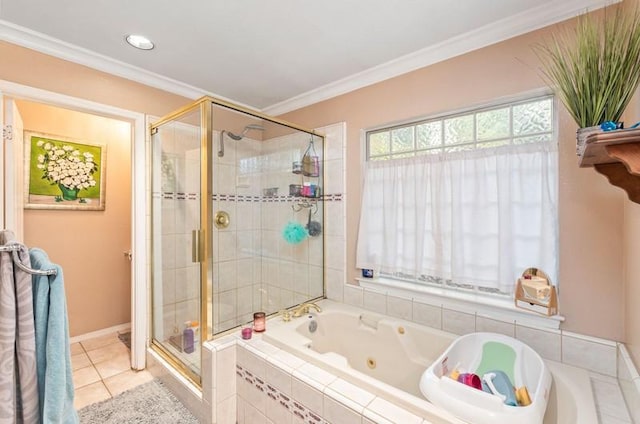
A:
[(187, 338)]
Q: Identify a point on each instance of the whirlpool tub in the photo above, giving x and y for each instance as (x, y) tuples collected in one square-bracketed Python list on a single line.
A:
[(388, 356)]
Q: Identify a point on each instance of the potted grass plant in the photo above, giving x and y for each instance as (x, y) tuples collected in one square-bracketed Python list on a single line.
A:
[(594, 69)]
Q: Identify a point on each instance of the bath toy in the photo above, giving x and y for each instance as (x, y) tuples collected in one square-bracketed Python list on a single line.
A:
[(522, 396), (496, 382)]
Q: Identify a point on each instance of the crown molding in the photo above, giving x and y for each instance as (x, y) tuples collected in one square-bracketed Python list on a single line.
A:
[(522, 23), (530, 20), (42, 43)]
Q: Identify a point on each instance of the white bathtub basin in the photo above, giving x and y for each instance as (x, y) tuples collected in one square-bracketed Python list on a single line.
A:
[(387, 357)]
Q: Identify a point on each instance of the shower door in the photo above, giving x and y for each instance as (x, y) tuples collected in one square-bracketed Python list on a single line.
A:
[(178, 244)]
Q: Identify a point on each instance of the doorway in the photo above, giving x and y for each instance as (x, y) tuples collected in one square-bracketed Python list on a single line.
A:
[(90, 301), (92, 246)]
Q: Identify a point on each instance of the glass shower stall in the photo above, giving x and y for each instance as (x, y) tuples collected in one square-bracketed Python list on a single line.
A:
[(236, 224)]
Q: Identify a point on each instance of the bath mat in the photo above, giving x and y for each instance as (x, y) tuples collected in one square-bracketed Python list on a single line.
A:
[(126, 339), (149, 403), (497, 356)]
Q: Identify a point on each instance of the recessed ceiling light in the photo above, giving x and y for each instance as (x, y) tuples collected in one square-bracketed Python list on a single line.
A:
[(139, 42)]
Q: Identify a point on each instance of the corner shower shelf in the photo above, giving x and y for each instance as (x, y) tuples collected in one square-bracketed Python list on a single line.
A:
[(616, 155)]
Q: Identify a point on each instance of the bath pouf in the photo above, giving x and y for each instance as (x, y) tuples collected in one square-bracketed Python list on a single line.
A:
[(294, 233)]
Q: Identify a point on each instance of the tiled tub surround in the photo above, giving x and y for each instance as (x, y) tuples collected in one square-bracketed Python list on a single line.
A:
[(402, 350), (297, 391)]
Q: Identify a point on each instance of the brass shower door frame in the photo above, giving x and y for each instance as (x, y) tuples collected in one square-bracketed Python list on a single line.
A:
[(203, 248), (205, 239)]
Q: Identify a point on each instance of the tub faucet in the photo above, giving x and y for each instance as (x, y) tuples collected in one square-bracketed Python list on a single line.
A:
[(304, 309)]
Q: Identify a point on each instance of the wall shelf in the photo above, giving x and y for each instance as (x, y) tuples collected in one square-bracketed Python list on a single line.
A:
[(616, 155)]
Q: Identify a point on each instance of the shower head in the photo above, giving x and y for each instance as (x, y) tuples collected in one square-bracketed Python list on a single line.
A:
[(237, 137), (233, 136)]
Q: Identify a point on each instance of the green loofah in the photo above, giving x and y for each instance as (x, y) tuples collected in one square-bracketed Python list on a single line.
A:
[(294, 233)]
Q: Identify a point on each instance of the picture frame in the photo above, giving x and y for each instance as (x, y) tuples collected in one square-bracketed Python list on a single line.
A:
[(64, 173)]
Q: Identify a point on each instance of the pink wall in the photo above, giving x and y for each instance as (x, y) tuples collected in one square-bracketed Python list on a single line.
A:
[(591, 248)]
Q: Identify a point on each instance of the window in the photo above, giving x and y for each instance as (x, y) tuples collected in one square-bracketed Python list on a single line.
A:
[(465, 201), (529, 121)]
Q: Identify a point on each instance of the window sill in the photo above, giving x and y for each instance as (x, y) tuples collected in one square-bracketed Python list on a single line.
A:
[(481, 305)]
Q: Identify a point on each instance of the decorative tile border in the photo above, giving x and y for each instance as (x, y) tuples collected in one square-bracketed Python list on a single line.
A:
[(168, 195), (291, 405), (274, 199)]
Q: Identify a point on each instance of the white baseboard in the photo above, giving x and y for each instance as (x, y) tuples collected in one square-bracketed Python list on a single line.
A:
[(99, 333)]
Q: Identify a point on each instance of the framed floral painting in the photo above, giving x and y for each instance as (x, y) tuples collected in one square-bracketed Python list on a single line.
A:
[(64, 174)]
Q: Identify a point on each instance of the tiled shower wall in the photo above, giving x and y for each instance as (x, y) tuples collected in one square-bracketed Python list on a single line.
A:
[(254, 267), (237, 265), (291, 273)]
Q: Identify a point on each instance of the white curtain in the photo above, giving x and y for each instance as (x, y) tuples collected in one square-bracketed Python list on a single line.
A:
[(476, 217)]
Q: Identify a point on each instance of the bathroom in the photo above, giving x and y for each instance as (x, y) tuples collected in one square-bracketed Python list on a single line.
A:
[(599, 278)]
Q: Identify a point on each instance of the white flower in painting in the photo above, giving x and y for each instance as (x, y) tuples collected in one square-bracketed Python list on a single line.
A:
[(66, 165)]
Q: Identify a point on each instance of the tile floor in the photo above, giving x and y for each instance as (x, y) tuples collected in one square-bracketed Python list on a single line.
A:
[(101, 369)]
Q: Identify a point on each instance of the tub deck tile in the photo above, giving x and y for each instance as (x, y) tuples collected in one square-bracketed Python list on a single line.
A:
[(393, 413), (351, 391), (309, 372)]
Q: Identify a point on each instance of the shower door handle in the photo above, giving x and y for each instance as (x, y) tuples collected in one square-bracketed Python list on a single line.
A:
[(196, 246)]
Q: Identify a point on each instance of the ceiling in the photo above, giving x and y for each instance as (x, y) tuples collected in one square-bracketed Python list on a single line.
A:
[(274, 55)]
